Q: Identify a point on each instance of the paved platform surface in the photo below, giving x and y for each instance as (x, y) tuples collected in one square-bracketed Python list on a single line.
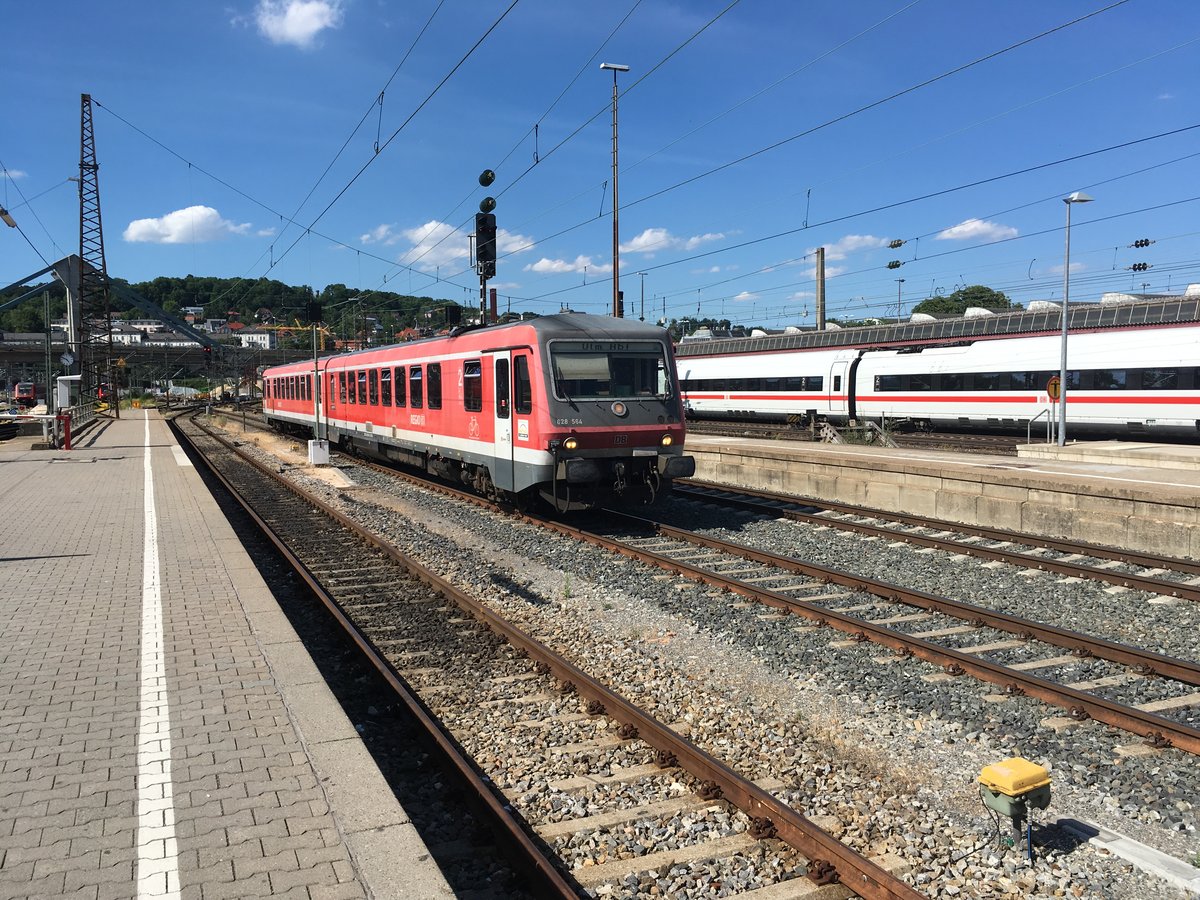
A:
[(163, 733), (1114, 498)]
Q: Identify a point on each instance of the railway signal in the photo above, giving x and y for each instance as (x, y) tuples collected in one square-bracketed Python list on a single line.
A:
[(485, 241)]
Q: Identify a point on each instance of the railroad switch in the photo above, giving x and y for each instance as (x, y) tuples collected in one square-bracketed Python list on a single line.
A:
[(1013, 787)]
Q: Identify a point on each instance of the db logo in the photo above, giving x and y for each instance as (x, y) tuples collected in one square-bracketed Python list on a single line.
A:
[(620, 439)]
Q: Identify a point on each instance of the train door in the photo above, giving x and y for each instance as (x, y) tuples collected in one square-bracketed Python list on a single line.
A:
[(838, 387), (503, 474)]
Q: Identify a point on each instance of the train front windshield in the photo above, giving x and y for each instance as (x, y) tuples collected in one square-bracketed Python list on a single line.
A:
[(606, 370)]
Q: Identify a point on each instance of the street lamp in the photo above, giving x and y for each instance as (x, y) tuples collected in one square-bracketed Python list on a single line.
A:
[(1077, 197), (616, 297)]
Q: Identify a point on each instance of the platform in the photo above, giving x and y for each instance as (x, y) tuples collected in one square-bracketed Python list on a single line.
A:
[(1117, 500), (163, 732)]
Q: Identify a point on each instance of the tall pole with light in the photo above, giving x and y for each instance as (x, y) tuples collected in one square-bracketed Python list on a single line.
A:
[(1077, 197), (616, 279)]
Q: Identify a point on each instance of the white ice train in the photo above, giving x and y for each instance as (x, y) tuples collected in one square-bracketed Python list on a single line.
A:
[(1134, 370)]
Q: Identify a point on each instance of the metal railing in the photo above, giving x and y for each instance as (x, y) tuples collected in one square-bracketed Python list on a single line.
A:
[(1049, 425)]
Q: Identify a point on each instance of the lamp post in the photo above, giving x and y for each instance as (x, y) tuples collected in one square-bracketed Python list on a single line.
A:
[(616, 279), (1077, 197)]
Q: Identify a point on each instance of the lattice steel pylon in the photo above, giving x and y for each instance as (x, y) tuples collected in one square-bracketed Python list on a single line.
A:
[(95, 308)]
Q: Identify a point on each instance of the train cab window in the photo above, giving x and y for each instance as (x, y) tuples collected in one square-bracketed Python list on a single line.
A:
[(373, 387), (342, 386), (385, 386), (502, 409), (472, 385), (1160, 379), (1109, 380), (415, 393), (584, 370), (433, 385), (522, 386), (399, 383), (362, 386)]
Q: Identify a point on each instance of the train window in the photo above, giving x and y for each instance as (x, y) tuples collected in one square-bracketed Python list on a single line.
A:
[(342, 386), (837, 383), (362, 385), (385, 386), (1109, 380), (814, 383), (433, 385), (332, 387), (472, 385), (414, 387), (373, 387), (950, 381), (399, 382), (920, 382), (1074, 381), (882, 382), (586, 371), (502, 410), (522, 386), (1160, 379), (351, 381), (987, 381)]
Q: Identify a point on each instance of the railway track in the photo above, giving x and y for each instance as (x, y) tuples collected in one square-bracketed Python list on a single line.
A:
[(1169, 576), (540, 741)]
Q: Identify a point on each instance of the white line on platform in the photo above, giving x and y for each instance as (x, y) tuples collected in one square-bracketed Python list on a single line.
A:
[(157, 851)]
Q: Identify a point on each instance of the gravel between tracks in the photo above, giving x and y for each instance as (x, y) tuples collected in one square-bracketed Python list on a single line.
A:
[(891, 757)]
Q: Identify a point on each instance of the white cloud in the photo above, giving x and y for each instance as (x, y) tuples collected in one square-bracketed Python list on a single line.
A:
[(1166, 96), (977, 229), (265, 232), (296, 22), (381, 234), (830, 271), (13, 174), (744, 297), (841, 248), (546, 266), (654, 239), (196, 224), (437, 244), (802, 295)]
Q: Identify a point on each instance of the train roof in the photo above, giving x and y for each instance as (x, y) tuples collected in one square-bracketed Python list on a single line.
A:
[(566, 325), (1020, 322)]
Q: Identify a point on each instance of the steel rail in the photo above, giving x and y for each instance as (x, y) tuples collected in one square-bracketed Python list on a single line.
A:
[(510, 830), (1157, 729), (829, 859), (1148, 583)]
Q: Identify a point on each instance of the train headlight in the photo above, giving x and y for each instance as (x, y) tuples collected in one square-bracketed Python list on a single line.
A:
[(570, 443), (667, 440), (619, 409)]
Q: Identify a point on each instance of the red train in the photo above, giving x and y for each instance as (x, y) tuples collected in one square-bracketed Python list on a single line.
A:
[(25, 394), (578, 410)]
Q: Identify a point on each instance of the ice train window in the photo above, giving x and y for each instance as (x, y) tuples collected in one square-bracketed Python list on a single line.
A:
[(1160, 379)]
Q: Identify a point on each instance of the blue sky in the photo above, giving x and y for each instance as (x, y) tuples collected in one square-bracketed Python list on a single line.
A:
[(216, 120)]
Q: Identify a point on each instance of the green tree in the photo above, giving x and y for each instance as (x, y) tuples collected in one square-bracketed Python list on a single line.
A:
[(958, 302)]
